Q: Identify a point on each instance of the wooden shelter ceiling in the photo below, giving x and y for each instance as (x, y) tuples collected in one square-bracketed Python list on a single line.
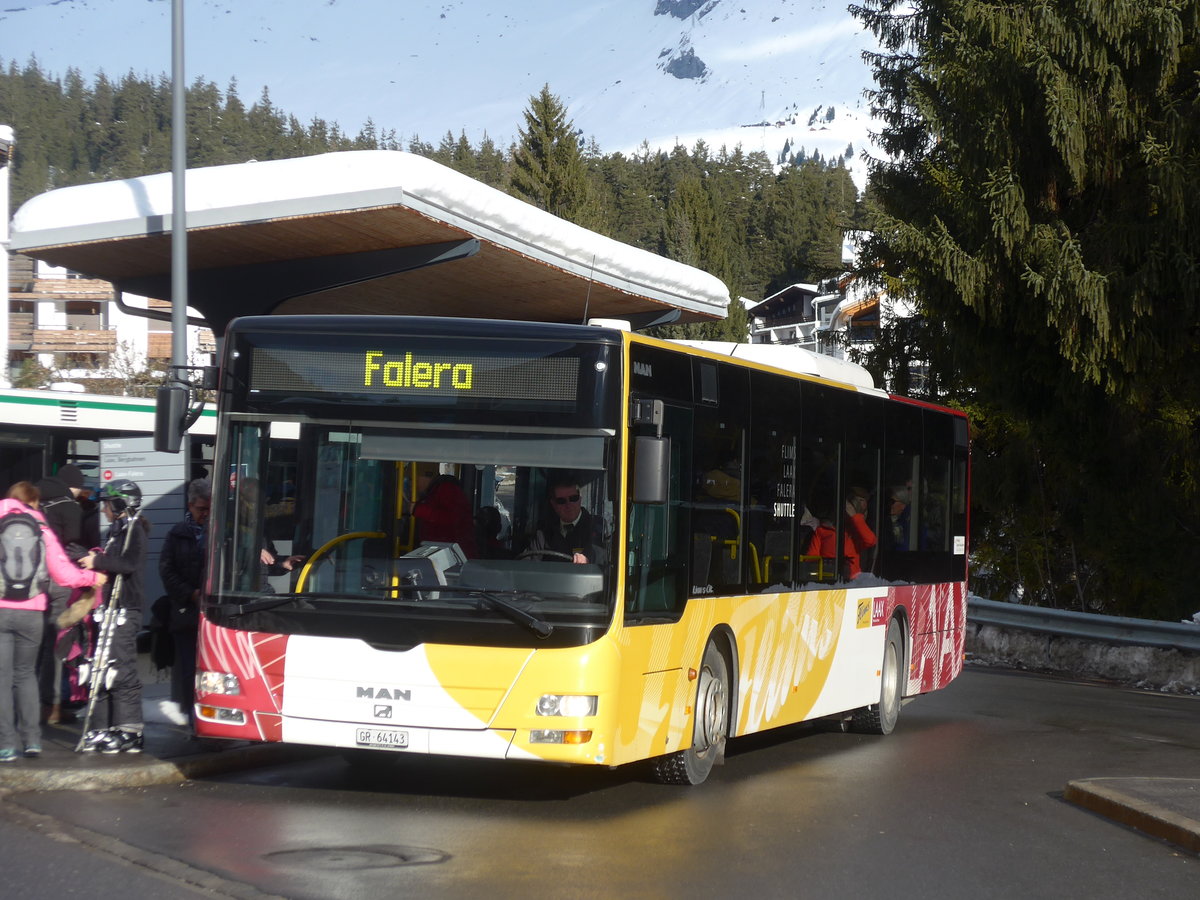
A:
[(497, 282)]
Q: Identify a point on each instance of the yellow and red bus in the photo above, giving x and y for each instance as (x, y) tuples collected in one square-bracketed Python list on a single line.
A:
[(764, 545)]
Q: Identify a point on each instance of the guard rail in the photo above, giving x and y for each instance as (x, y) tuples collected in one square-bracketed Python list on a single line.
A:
[(1086, 626)]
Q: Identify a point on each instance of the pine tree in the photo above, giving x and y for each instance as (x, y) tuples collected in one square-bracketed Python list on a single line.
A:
[(492, 164), (267, 128), (548, 166), (1039, 205)]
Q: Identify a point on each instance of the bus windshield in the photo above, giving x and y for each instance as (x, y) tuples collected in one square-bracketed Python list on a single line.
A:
[(403, 534)]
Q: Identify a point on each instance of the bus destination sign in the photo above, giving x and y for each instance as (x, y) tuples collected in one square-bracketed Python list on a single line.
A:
[(377, 371)]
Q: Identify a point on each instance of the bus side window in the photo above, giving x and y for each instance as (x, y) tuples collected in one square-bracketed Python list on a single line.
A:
[(820, 466), (658, 533), (717, 513), (772, 512), (900, 522), (862, 448)]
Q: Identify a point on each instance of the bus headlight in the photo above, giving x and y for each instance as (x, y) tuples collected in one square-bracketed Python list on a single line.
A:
[(217, 683), (567, 705)]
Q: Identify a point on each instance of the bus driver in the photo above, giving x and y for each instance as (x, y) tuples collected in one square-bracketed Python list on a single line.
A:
[(573, 531)]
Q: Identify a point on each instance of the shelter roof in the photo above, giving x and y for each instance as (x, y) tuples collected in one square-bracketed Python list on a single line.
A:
[(341, 232)]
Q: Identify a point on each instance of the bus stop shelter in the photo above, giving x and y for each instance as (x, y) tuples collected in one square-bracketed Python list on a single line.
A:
[(358, 232)]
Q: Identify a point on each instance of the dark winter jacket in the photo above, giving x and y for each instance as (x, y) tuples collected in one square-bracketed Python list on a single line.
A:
[(126, 560), (91, 523), (181, 566), (585, 536), (63, 514)]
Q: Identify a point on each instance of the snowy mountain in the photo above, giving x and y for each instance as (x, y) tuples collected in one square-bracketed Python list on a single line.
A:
[(780, 76)]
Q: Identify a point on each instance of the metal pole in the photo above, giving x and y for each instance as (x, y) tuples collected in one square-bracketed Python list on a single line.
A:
[(179, 265), (6, 150)]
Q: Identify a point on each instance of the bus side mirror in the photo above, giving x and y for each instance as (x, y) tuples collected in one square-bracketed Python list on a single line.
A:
[(170, 411), (651, 469)]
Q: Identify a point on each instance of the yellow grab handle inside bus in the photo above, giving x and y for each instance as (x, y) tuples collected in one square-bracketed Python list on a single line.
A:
[(329, 545)]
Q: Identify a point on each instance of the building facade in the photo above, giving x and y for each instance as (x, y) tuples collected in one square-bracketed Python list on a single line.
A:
[(81, 331)]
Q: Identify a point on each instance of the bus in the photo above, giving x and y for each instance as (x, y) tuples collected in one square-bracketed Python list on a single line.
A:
[(767, 545), (42, 429)]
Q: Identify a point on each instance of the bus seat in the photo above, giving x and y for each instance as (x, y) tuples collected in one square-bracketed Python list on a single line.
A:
[(777, 554)]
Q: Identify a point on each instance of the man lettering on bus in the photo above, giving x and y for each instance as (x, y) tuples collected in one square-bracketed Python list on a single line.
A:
[(572, 531)]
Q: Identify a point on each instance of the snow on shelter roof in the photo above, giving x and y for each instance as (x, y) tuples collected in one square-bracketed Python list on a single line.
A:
[(794, 359), (530, 265)]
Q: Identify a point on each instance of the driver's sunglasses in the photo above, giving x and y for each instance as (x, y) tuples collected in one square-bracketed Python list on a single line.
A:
[(563, 501)]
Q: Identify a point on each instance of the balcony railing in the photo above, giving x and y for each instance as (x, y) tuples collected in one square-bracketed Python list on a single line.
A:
[(73, 341)]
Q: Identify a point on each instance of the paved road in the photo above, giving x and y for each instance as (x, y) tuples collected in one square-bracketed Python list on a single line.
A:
[(964, 800)]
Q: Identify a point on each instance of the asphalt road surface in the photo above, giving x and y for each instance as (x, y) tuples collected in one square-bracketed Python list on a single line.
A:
[(963, 800)]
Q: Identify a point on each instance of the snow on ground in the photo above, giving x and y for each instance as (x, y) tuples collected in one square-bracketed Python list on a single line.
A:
[(1147, 668)]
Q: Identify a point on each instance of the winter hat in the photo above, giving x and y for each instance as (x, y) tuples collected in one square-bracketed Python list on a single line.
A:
[(71, 476)]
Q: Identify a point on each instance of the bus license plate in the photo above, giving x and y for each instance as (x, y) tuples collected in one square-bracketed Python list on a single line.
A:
[(388, 738)]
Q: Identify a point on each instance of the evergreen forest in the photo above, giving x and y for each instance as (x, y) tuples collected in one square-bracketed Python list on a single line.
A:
[(734, 214), (1036, 201)]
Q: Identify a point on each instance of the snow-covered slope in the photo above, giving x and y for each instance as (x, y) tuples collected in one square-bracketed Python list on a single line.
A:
[(770, 75)]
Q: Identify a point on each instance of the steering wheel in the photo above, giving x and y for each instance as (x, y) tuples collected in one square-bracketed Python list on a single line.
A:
[(326, 547), (536, 552)]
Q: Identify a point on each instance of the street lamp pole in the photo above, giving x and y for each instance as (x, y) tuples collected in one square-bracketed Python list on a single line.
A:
[(172, 399), (179, 266)]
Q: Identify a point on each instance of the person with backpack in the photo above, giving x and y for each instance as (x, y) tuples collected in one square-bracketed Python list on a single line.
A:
[(30, 558), (60, 505), (114, 722)]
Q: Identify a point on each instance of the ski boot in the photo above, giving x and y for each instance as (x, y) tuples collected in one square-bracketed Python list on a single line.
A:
[(119, 741)]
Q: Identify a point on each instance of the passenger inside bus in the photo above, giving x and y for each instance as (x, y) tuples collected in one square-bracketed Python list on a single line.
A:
[(442, 510), (570, 531), (488, 525), (859, 536), (899, 512), (270, 562)]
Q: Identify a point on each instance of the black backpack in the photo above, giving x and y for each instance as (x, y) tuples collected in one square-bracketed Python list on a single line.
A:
[(22, 557)]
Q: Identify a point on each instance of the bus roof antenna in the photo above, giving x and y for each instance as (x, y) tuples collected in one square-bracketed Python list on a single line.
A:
[(588, 297)]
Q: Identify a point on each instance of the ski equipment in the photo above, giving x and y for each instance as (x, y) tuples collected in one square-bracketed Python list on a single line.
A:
[(122, 495), (111, 616)]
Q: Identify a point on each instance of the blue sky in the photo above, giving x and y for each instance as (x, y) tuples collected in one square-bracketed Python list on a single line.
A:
[(307, 52), (430, 66)]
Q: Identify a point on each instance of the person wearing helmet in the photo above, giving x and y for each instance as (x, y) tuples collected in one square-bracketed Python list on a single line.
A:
[(117, 725)]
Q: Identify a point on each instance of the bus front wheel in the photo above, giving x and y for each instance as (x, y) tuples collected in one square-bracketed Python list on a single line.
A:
[(880, 718), (710, 728)]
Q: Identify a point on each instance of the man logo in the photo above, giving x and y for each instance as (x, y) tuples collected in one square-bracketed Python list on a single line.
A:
[(371, 693), (382, 712)]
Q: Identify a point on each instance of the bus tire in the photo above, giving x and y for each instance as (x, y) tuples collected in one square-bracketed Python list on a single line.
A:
[(710, 728), (880, 718)]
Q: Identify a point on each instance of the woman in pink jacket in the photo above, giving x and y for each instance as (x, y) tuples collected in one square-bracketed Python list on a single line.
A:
[(21, 622)]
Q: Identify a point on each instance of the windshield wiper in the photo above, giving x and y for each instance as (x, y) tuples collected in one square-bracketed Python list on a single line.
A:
[(538, 626), (241, 609)]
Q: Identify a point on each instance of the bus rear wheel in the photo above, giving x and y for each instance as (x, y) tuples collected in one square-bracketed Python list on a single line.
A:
[(711, 726), (880, 718)]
